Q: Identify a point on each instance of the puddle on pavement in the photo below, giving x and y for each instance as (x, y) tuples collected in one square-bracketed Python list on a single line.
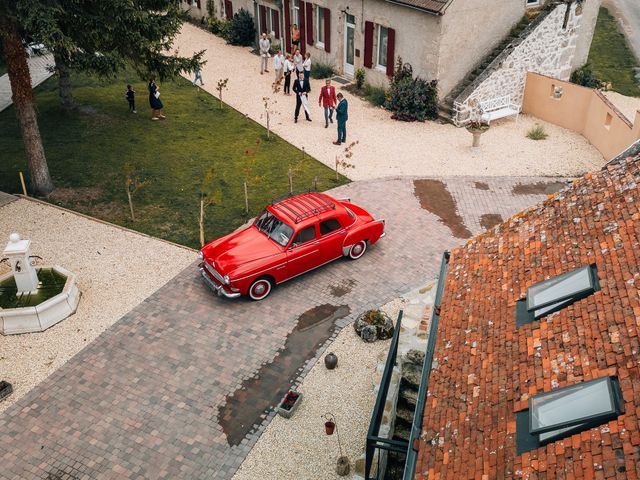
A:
[(248, 406), (481, 185), (342, 288), (490, 220), (538, 188), (435, 198)]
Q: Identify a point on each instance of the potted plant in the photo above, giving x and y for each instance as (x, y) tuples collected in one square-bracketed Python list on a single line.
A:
[(476, 127), (289, 403)]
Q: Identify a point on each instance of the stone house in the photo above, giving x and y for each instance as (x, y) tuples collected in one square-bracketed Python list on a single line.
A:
[(441, 39)]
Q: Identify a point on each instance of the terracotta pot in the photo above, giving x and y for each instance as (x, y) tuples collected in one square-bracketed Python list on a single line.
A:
[(331, 361), (329, 427)]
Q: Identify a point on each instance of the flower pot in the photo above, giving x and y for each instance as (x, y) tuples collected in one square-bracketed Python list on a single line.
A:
[(331, 361), (289, 404), (329, 427), (476, 138), (342, 466)]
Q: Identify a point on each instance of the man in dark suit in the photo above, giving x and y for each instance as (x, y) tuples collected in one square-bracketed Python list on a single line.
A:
[(301, 87)]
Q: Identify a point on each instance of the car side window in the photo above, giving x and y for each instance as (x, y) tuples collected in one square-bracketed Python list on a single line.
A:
[(329, 226), (305, 235)]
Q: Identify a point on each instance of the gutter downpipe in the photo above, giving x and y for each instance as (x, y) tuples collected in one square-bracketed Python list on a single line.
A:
[(416, 427)]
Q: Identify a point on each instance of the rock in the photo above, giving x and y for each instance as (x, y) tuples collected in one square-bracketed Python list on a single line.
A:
[(405, 414), (401, 431), (411, 376), (410, 396), (376, 320), (369, 333), (416, 357)]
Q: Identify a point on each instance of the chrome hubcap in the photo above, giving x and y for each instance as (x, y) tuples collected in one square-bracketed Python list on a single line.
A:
[(259, 289)]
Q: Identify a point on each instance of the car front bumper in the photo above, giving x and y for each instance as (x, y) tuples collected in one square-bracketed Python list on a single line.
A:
[(219, 289)]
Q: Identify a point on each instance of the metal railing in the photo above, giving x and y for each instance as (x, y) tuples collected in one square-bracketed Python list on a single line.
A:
[(377, 446), (416, 427)]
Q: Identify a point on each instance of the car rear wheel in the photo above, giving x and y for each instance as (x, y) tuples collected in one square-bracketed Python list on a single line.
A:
[(357, 250), (260, 288)]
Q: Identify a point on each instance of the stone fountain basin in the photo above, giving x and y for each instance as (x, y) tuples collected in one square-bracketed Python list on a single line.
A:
[(44, 315)]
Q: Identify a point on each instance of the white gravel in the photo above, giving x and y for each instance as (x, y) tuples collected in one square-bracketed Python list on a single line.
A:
[(387, 147), (627, 105), (116, 270), (298, 447)]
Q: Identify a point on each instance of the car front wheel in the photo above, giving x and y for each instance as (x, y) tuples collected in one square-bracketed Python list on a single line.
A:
[(260, 288), (357, 250)]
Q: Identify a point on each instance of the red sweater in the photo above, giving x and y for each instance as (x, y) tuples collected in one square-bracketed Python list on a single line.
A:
[(328, 96)]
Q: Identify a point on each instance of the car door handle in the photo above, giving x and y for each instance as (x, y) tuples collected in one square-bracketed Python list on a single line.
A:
[(316, 242)]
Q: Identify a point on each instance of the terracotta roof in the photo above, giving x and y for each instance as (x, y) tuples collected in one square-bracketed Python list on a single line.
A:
[(485, 368), (433, 6)]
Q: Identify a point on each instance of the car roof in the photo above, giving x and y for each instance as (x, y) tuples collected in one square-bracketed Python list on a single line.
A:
[(307, 208)]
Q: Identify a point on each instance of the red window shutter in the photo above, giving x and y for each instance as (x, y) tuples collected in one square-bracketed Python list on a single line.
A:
[(327, 30), (276, 20), (263, 19), (301, 27), (198, 3), (368, 44), (391, 45), (287, 26), (228, 9), (309, 23)]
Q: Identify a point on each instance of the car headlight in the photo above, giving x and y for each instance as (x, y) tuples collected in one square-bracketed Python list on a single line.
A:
[(226, 279), (200, 256)]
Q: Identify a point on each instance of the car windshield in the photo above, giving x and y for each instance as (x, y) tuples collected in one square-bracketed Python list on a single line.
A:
[(274, 228)]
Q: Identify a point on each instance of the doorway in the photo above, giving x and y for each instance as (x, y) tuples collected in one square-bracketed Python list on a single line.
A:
[(349, 45)]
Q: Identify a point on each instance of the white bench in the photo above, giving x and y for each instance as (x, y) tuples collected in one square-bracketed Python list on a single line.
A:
[(499, 107)]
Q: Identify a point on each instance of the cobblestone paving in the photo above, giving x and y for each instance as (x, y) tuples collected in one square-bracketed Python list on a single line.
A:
[(141, 401)]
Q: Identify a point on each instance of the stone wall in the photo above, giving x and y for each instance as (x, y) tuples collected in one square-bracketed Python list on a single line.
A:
[(544, 47)]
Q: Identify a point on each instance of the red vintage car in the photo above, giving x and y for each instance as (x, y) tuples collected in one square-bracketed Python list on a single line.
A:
[(290, 237)]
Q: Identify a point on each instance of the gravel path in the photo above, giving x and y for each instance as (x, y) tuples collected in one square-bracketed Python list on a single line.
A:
[(387, 147), (116, 270)]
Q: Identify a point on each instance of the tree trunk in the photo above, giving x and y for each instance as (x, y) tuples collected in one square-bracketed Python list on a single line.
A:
[(201, 221), (290, 181), (64, 83), (23, 100), (129, 197), (246, 199)]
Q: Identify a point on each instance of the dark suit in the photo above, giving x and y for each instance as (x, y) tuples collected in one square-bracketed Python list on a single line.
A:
[(298, 90)]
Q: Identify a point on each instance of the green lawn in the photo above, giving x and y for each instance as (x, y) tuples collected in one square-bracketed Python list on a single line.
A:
[(88, 148), (610, 57)]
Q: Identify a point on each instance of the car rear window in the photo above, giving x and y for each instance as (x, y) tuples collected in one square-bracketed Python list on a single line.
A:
[(329, 226)]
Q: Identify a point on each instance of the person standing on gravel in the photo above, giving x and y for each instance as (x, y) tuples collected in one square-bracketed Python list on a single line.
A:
[(342, 116), (302, 88), (198, 74), (306, 65), (278, 66), (265, 46), (328, 101), (298, 61), (289, 68)]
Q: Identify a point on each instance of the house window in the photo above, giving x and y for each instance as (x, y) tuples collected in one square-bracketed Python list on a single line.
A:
[(533, 3), (295, 12), (607, 120), (556, 293), (319, 26), (383, 35), (562, 412)]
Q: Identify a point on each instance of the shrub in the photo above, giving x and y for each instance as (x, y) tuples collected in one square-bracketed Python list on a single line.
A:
[(322, 70), (375, 95), (219, 27), (275, 46), (360, 76), (411, 98), (585, 77), (537, 133), (241, 30)]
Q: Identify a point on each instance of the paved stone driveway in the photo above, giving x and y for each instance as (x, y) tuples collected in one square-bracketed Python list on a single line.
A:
[(142, 400)]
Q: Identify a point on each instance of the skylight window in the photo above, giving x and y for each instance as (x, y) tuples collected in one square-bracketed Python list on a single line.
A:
[(565, 411), (556, 293)]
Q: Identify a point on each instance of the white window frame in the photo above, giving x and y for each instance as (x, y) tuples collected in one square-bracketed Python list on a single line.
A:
[(295, 13), (319, 13), (272, 17), (531, 3), (379, 66)]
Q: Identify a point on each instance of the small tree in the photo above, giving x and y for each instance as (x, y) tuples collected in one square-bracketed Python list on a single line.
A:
[(242, 30), (268, 112), (209, 196), (222, 85), (248, 172), (342, 160), (132, 183)]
